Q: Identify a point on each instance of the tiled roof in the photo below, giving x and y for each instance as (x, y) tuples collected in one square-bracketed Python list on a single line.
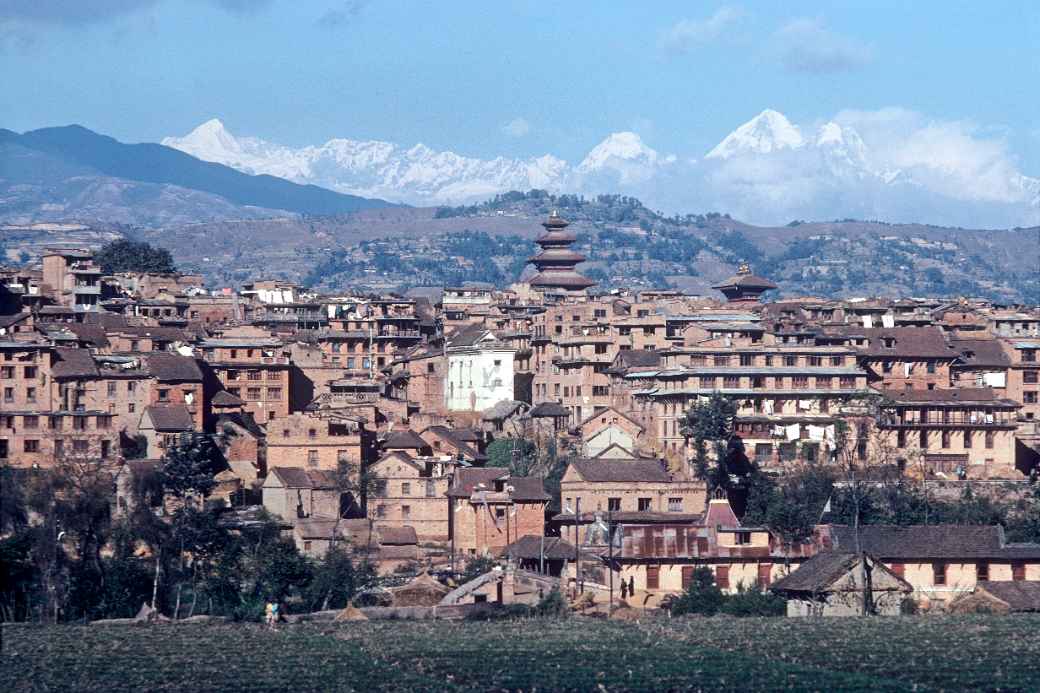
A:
[(626, 471), (531, 547), (171, 418), (166, 366), (922, 542), (404, 440), (817, 574), (548, 410), (73, 363), (927, 342), (397, 535), (1019, 595), (225, 399), (298, 477), (965, 395)]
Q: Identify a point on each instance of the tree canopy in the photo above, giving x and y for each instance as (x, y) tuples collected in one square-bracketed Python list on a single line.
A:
[(125, 255)]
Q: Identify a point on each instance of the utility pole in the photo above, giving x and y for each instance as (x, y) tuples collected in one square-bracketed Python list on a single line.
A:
[(577, 549), (610, 557)]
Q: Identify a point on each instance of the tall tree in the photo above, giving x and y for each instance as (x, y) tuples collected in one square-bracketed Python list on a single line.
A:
[(125, 255)]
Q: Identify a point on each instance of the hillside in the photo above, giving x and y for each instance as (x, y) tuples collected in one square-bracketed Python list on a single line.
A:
[(627, 245), (73, 173)]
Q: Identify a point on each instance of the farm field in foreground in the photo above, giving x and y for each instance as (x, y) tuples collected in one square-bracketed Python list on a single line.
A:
[(922, 653)]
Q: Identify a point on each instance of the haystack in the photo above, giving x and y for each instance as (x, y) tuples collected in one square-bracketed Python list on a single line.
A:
[(350, 613)]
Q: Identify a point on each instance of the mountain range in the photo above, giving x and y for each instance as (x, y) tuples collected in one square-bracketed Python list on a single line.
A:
[(72, 173), (890, 165)]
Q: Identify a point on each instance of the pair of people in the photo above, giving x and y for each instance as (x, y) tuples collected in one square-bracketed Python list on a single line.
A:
[(272, 614)]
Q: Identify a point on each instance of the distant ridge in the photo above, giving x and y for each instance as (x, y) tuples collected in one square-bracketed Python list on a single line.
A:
[(158, 164)]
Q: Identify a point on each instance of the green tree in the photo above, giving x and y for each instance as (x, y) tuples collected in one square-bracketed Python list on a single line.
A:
[(337, 579), (125, 255), (189, 465), (718, 453), (702, 596)]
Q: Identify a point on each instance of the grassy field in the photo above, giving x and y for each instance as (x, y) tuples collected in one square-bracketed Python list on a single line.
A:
[(976, 653)]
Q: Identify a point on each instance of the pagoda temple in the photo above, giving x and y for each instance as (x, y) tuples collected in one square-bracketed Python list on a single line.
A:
[(556, 261), (744, 287)]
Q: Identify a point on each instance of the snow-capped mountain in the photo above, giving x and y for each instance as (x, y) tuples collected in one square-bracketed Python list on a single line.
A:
[(767, 132), (371, 168), (890, 164)]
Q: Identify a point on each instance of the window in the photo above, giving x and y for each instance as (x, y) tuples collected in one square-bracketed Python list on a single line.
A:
[(989, 440), (886, 367), (644, 504), (380, 511), (1029, 377), (939, 574), (8, 394), (31, 421), (614, 504), (742, 538), (790, 360), (406, 512), (254, 375), (30, 372), (106, 448), (131, 386), (1018, 571), (253, 393), (1029, 355), (312, 433), (653, 577), (675, 505), (59, 448), (30, 394), (722, 577), (431, 488), (32, 446), (1029, 397), (274, 393), (131, 408), (312, 458), (164, 395), (765, 571), (430, 368), (945, 439), (7, 372), (930, 366), (306, 545), (406, 489), (747, 359), (981, 571), (274, 375), (799, 381), (112, 389)]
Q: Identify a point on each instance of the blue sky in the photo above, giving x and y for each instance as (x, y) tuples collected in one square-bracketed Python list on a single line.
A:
[(514, 78)]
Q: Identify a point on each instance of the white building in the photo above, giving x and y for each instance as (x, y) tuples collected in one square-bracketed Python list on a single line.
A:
[(480, 370)]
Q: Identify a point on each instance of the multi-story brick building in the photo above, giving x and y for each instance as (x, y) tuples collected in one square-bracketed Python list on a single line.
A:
[(255, 369), (489, 509)]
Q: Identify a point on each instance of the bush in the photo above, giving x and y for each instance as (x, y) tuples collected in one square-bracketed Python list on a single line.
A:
[(552, 604), (701, 597), (753, 602)]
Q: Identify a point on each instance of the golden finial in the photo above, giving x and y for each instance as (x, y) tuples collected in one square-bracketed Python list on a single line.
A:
[(744, 268)]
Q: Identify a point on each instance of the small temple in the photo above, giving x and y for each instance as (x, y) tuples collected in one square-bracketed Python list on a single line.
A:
[(556, 262), (744, 287)]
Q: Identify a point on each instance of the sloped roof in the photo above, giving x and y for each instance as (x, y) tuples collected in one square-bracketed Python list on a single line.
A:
[(625, 471), (225, 399), (397, 535), (167, 366), (818, 573), (530, 547), (298, 477), (981, 352), (502, 410), (1020, 595), (527, 488), (466, 480), (928, 342), (548, 410), (170, 418), (745, 281), (467, 336), (638, 358), (404, 440), (73, 363), (922, 541), (980, 395)]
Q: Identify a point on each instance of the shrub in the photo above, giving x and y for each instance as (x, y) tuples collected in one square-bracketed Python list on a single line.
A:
[(701, 597), (552, 604), (749, 601)]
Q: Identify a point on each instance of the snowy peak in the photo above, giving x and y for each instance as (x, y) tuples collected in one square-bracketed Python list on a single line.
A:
[(767, 132), (618, 147), (210, 141)]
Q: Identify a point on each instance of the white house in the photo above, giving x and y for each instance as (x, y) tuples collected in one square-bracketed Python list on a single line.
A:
[(480, 370)]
